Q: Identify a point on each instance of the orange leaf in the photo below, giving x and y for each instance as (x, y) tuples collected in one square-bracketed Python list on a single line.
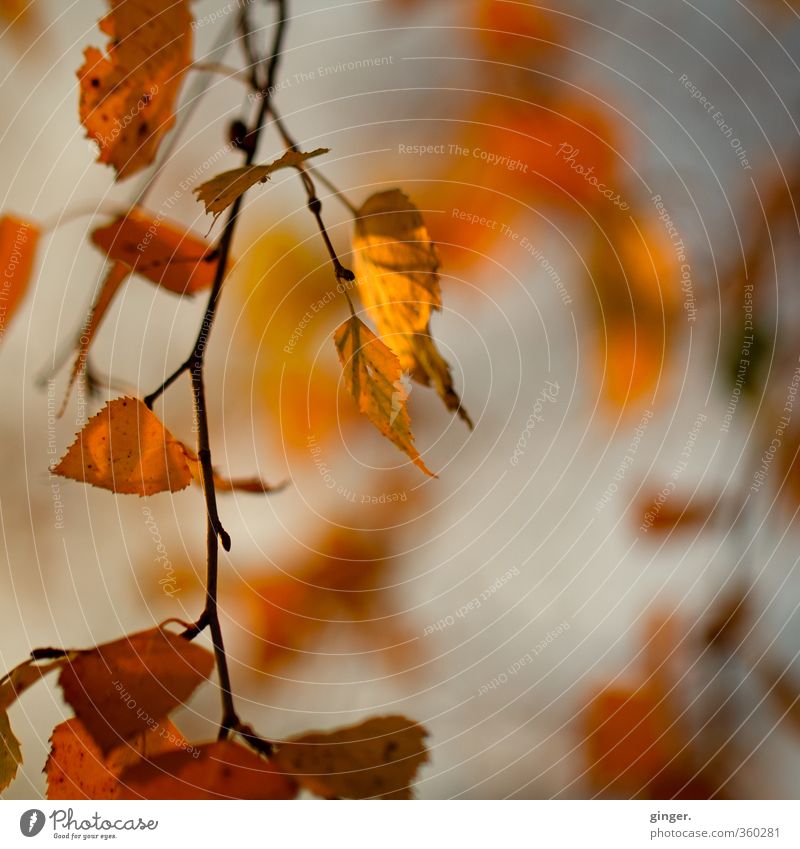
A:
[(159, 250), (119, 689), (126, 449), (218, 193), (77, 769), (18, 241), (128, 95), (223, 770), (372, 376), (378, 758), (396, 268)]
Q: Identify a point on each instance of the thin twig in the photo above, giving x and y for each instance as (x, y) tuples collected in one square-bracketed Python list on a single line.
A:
[(194, 365)]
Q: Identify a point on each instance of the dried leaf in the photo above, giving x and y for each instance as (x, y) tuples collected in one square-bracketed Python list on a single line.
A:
[(159, 250), (12, 686), (372, 376), (378, 758), (10, 752), (128, 95), (126, 449), (119, 689), (223, 770), (223, 484), (18, 242), (396, 266), (218, 193), (77, 769)]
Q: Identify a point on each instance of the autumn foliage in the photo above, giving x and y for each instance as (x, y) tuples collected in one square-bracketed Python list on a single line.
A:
[(122, 742)]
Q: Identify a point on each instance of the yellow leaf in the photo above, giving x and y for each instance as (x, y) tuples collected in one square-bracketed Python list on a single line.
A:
[(12, 686), (218, 193), (10, 752), (128, 95), (372, 376), (396, 266), (120, 689), (378, 758), (126, 449)]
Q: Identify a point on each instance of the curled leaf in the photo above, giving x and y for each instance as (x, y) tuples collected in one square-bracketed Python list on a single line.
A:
[(218, 193), (12, 686), (18, 242), (378, 758), (119, 689), (223, 770), (128, 95), (126, 449), (396, 266), (372, 376)]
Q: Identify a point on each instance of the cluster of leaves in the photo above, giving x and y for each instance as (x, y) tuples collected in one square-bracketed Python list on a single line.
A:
[(121, 742)]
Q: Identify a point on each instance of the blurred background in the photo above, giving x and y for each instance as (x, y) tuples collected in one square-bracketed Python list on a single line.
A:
[(599, 594)]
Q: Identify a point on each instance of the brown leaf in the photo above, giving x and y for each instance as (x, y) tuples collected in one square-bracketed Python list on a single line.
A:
[(218, 193), (222, 770), (128, 95), (378, 758), (396, 266), (372, 376), (77, 769), (126, 449), (119, 689), (19, 239), (223, 484)]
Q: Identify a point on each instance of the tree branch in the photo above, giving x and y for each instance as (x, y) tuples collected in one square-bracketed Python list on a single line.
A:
[(194, 365)]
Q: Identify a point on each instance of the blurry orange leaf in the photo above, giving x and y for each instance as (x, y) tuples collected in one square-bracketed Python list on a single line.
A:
[(278, 332), (396, 267), (520, 32), (378, 758), (77, 769), (159, 250), (218, 193), (128, 95), (222, 770), (18, 241), (117, 274), (117, 690), (126, 449), (372, 376), (662, 514), (12, 686), (629, 741)]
